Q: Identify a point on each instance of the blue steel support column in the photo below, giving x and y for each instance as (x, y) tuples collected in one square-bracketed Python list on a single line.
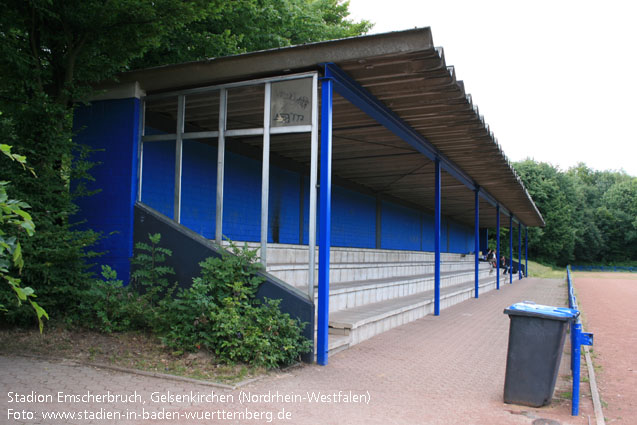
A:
[(324, 222), (519, 250), (497, 255), (511, 249), (526, 251), (437, 242), (477, 239)]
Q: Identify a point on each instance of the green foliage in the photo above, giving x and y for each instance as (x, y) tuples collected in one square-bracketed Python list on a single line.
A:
[(150, 275), (108, 306), (53, 52), (589, 215), (249, 25), (220, 313), (15, 221)]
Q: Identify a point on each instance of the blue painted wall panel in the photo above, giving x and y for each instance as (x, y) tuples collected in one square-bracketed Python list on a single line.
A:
[(242, 198), (158, 180), (400, 227), (461, 238), (199, 187), (110, 127), (283, 206), (353, 219), (428, 222)]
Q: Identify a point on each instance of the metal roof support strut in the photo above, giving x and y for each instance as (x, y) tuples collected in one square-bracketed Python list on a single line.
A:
[(497, 256), (477, 240), (368, 103), (519, 250), (324, 222), (511, 249), (437, 241), (526, 251)]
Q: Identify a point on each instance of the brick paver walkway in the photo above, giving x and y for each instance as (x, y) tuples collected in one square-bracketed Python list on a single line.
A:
[(437, 370)]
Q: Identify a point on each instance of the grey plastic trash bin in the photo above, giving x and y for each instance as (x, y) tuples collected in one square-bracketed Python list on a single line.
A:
[(536, 341)]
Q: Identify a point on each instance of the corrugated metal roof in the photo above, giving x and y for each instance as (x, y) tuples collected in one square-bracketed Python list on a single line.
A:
[(409, 75)]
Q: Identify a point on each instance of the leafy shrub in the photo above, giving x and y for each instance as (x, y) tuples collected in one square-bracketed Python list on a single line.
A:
[(220, 313), (149, 275), (15, 221), (108, 306)]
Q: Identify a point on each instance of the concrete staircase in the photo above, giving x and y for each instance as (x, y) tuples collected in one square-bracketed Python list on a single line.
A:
[(373, 290)]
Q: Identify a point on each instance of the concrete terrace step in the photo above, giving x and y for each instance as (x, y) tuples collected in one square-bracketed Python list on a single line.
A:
[(347, 295), (364, 322), (291, 253), (297, 274)]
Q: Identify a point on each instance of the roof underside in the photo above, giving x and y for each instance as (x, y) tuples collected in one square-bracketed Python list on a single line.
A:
[(405, 72)]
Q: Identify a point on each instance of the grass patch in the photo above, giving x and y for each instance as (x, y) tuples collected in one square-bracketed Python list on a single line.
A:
[(128, 349), (546, 272)]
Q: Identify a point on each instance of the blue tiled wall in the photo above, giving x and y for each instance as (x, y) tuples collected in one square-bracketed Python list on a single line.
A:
[(110, 127), (158, 179), (353, 219), (199, 187), (400, 227)]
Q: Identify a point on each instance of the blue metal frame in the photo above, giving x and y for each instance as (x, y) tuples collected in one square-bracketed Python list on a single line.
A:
[(511, 249), (497, 227), (526, 251), (437, 241), (477, 241), (324, 223), (368, 103), (519, 250), (578, 338)]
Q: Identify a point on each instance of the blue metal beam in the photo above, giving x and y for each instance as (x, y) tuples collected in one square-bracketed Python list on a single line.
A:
[(510, 249), (324, 222), (477, 240), (519, 250), (497, 255), (437, 241), (368, 103)]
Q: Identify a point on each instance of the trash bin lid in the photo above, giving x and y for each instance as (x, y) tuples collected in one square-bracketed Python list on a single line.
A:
[(542, 311)]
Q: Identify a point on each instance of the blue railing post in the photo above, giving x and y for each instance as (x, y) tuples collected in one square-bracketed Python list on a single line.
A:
[(497, 256), (324, 223), (511, 249), (477, 239), (437, 241), (578, 338)]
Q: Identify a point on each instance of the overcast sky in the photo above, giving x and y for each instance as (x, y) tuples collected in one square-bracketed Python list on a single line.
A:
[(555, 80)]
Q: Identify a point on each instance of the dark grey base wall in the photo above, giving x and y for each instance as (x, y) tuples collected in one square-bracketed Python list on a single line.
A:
[(190, 248)]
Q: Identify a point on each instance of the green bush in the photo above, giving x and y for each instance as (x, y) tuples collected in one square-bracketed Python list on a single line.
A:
[(108, 306), (220, 313)]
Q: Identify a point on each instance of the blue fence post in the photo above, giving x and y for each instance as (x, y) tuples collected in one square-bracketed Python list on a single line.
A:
[(511, 248), (576, 357), (325, 223), (437, 241), (497, 256), (578, 338), (477, 239)]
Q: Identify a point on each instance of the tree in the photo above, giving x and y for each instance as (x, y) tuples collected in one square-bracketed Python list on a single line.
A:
[(553, 194), (51, 54), (250, 25)]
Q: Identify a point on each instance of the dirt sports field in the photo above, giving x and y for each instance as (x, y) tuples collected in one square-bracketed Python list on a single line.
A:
[(609, 306)]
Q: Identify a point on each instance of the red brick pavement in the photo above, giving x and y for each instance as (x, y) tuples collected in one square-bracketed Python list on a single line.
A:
[(437, 370)]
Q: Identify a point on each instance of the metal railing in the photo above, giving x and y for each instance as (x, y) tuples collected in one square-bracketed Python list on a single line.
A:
[(578, 338), (604, 268)]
